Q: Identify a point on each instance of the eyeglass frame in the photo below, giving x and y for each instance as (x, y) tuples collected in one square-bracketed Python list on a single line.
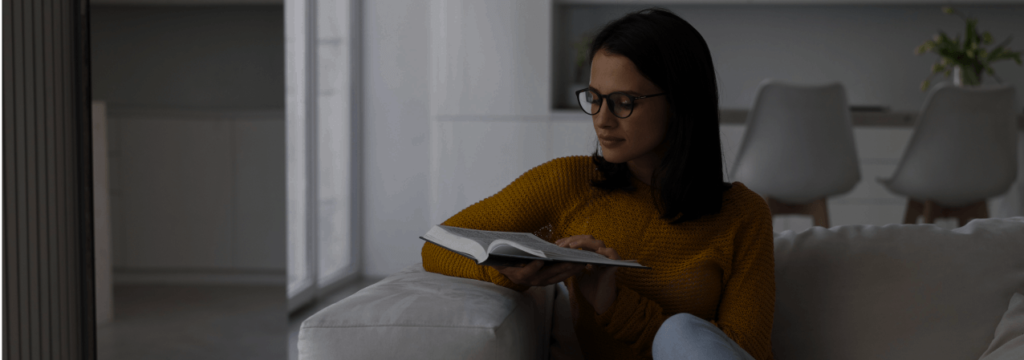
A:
[(602, 98)]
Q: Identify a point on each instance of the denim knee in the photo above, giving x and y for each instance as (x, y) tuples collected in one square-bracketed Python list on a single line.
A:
[(685, 336), (684, 324)]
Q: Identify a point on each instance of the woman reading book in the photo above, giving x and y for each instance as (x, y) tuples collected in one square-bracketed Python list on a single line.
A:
[(654, 192)]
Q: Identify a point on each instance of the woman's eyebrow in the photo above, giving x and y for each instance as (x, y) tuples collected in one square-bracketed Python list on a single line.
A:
[(631, 92)]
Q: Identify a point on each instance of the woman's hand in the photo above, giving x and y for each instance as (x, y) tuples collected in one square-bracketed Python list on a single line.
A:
[(597, 284), (537, 273)]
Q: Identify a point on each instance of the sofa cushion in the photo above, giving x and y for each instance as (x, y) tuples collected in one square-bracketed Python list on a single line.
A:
[(1009, 339), (895, 291), (415, 314)]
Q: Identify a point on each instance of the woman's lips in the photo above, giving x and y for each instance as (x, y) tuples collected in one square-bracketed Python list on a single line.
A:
[(610, 142)]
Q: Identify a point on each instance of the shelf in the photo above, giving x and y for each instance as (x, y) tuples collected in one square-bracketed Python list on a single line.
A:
[(739, 117)]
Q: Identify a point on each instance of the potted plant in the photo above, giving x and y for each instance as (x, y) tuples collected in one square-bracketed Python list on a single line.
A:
[(965, 59)]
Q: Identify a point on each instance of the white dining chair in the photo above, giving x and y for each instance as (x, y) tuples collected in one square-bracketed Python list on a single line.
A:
[(798, 148), (963, 151)]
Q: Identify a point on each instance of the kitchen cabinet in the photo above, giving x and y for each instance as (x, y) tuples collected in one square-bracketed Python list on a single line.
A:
[(197, 196)]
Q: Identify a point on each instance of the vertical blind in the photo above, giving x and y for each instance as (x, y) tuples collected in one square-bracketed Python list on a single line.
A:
[(48, 306)]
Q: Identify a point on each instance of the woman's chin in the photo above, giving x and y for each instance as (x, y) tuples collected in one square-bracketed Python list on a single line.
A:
[(612, 157)]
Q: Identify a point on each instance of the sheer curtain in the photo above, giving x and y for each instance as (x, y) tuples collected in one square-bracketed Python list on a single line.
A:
[(48, 274), (322, 136)]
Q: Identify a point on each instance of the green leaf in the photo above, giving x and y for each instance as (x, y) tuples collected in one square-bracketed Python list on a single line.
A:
[(923, 48), (969, 35)]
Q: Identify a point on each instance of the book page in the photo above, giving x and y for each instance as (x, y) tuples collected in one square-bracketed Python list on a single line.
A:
[(525, 243), (505, 247), (484, 238), (452, 239)]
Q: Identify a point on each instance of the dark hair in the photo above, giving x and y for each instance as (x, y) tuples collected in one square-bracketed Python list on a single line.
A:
[(669, 52)]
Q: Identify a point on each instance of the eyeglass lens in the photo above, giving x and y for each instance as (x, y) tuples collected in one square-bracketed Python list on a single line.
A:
[(620, 104)]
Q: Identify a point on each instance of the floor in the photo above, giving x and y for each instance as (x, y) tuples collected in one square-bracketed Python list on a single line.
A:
[(195, 322), (199, 322)]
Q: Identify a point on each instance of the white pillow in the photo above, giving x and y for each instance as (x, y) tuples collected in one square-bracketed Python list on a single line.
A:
[(895, 291), (1009, 340)]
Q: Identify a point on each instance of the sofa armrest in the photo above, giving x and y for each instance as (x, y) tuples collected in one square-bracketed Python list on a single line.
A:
[(415, 314)]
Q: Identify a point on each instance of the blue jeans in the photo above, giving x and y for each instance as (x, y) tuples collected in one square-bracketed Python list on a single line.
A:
[(685, 336)]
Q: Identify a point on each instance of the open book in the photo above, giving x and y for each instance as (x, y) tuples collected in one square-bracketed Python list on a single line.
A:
[(500, 248)]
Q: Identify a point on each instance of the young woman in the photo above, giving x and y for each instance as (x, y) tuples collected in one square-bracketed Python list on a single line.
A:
[(654, 192)]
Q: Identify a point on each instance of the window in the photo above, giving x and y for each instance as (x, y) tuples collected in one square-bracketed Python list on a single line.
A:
[(321, 138)]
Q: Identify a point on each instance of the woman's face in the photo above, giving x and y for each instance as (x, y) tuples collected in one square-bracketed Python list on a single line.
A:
[(637, 138)]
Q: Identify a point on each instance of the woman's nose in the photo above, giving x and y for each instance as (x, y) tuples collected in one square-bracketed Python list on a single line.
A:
[(605, 118)]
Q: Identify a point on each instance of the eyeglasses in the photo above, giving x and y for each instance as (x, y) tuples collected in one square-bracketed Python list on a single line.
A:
[(621, 103)]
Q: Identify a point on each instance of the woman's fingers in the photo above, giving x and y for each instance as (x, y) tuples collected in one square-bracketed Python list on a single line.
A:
[(520, 274), (534, 266), (588, 242), (609, 253), (544, 274), (565, 275), (585, 242), (555, 273), (530, 271)]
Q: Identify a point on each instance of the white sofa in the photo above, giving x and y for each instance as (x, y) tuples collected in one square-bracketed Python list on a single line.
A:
[(849, 292)]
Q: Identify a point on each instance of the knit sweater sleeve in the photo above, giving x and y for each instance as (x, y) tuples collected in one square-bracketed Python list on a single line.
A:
[(747, 307), (633, 319), (526, 205)]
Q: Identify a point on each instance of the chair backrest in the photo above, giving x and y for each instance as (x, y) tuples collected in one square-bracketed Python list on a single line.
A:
[(798, 145), (964, 147)]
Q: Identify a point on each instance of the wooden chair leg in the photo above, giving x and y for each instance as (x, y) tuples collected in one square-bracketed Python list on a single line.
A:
[(982, 210), (914, 210), (780, 208), (965, 214), (819, 212), (817, 209), (931, 212)]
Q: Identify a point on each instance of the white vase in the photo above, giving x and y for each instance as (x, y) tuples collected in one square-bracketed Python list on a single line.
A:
[(958, 78)]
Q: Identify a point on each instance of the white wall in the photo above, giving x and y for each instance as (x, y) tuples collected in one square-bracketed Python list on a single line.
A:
[(492, 68), (428, 64), (396, 122)]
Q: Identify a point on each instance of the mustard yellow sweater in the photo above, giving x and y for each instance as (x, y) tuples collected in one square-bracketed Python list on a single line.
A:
[(719, 267)]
